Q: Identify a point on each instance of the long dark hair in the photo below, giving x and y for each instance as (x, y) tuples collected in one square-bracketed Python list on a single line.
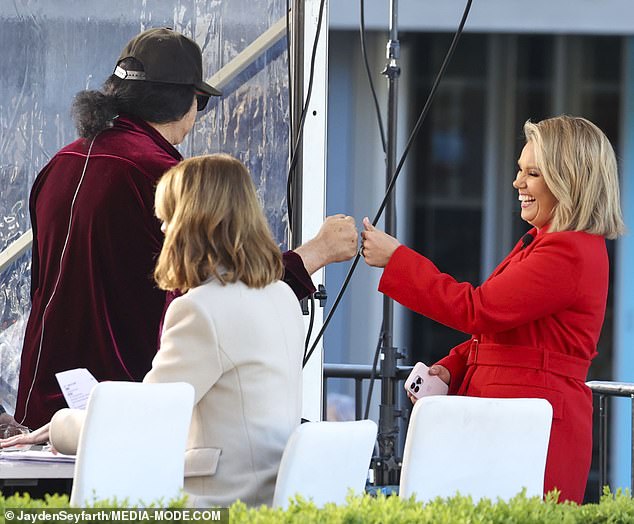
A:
[(156, 102)]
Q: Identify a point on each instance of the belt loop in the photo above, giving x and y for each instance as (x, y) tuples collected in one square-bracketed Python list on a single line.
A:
[(545, 361), (475, 350)]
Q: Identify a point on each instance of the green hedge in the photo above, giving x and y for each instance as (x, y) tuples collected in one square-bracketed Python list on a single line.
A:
[(613, 508)]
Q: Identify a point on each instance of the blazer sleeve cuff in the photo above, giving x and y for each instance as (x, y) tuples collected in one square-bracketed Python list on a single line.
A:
[(296, 276), (65, 429), (456, 363)]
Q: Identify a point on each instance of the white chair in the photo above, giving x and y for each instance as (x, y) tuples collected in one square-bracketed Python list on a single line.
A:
[(132, 444), (482, 447), (322, 461)]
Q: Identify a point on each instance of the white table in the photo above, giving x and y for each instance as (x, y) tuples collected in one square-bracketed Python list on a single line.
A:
[(18, 469), (36, 478)]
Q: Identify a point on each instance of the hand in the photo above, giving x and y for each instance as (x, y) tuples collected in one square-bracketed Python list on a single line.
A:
[(336, 241), (442, 372), (39, 436), (411, 397), (378, 246)]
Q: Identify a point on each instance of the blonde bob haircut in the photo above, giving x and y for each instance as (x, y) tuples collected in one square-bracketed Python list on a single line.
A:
[(214, 226), (579, 167)]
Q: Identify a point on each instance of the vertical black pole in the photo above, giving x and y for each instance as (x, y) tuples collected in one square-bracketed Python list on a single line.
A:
[(632, 443), (388, 413), (603, 442)]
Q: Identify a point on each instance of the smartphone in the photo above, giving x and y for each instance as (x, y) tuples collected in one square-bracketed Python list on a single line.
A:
[(421, 384)]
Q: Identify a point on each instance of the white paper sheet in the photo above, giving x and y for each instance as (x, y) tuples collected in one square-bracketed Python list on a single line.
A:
[(37, 456), (76, 385)]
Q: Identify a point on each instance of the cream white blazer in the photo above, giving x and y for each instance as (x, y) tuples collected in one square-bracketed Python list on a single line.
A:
[(242, 350)]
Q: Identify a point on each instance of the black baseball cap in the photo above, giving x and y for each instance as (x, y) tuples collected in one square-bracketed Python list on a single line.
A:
[(168, 57)]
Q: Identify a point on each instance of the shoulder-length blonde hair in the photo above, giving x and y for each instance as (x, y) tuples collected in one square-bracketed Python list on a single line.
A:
[(214, 226), (579, 167)]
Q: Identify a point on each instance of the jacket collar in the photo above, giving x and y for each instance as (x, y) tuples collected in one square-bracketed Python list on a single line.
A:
[(134, 124)]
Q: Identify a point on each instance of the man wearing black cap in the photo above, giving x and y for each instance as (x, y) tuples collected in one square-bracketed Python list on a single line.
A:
[(167, 57), (94, 303)]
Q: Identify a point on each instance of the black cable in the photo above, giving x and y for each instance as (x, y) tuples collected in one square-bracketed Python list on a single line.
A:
[(369, 74), (423, 114), (333, 308), (290, 79), (311, 323), (393, 178), (302, 120), (375, 365), (307, 353), (300, 131)]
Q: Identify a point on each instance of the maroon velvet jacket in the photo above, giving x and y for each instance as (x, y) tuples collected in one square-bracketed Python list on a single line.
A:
[(105, 310), (535, 324)]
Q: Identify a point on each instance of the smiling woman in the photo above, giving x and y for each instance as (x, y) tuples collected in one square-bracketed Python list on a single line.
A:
[(579, 167), (535, 322), (537, 201)]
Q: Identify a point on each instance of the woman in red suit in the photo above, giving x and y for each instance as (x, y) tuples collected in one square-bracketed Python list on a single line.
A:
[(535, 322)]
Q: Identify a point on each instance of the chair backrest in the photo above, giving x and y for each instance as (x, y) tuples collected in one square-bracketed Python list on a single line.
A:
[(322, 461), (482, 447), (132, 444)]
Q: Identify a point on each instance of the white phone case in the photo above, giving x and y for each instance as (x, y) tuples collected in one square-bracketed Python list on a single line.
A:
[(421, 384)]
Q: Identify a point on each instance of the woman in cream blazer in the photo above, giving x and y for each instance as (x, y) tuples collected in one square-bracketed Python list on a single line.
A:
[(241, 349)]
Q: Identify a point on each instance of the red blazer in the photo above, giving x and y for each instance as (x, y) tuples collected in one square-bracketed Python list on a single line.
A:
[(535, 324)]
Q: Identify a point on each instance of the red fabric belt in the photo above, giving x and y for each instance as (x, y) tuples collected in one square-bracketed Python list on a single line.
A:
[(528, 357)]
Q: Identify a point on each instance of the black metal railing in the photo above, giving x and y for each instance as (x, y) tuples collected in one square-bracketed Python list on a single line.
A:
[(603, 390), (359, 373)]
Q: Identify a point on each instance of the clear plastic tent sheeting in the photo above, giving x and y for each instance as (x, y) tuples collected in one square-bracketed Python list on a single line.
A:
[(52, 50)]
